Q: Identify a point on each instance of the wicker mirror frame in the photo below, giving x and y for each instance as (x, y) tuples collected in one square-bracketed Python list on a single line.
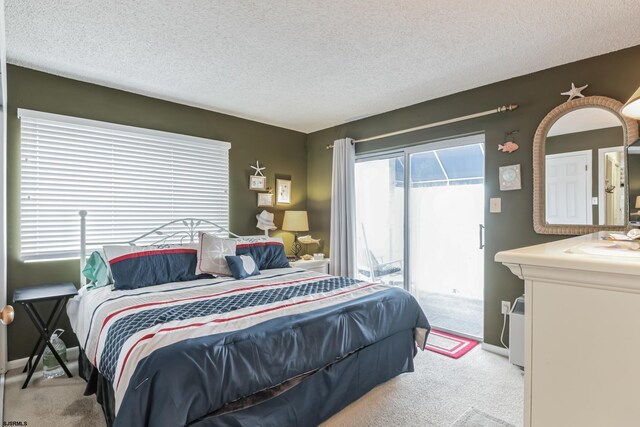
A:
[(630, 135)]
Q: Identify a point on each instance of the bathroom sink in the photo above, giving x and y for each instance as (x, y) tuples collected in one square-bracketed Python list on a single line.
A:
[(607, 248)]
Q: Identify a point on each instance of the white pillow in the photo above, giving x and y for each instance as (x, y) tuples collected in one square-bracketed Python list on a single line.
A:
[(212, 251)]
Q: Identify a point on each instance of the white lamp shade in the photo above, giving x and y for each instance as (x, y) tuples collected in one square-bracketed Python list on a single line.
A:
[(632, 107), (637, 202), (295, 221)]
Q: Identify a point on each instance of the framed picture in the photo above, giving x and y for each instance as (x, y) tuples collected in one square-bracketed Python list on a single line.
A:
[(510, 178), (265, 200), (283, 191), (257, 183)]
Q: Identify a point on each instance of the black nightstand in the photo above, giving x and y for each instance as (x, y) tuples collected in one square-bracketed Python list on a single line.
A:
[(27, 297)]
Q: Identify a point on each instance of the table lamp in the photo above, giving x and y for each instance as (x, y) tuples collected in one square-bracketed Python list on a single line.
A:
[(632, 107), (295, 221)]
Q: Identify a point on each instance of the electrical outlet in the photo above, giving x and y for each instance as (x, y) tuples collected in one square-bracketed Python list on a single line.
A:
[(505, 307)]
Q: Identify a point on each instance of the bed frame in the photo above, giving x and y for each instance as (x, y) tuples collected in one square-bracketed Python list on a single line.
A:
[(179, 231)]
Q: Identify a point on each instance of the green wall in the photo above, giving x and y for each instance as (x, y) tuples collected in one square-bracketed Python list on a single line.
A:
[(616, 75), (282, 151)]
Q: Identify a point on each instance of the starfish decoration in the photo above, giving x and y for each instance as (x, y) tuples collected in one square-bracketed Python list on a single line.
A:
[(258, 169), (574, 92)]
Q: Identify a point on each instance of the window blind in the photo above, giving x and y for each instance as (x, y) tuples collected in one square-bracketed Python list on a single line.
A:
[(130, 180)]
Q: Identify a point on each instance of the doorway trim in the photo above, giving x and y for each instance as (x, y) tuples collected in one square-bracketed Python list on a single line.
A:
[(3, 189)]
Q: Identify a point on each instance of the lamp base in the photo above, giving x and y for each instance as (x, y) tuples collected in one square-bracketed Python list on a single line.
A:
[(296, 247)]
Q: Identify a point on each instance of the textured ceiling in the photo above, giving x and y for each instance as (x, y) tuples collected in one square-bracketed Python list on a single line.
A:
[(308, 65)]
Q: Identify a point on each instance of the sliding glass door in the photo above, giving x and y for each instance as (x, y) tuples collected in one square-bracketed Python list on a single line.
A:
[(380, 202), (418, 216), (446, 207)]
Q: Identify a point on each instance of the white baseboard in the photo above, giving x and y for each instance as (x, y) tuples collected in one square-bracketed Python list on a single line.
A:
[(72, 355), (495, 349)]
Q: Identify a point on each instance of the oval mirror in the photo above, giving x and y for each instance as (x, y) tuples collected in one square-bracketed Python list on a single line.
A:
[(579, 167)]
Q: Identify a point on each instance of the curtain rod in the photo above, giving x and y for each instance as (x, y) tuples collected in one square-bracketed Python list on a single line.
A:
[(501, 109)]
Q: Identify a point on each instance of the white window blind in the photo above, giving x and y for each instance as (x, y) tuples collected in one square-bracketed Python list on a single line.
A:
[(130, 180)]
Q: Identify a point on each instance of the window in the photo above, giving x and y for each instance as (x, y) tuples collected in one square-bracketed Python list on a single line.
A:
[(130, 180)]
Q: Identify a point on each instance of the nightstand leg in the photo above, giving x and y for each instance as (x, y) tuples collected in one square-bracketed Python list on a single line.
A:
[(44, 336), (48, 325)]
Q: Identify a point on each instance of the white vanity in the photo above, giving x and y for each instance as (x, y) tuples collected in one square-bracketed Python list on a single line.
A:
[(582, 332)]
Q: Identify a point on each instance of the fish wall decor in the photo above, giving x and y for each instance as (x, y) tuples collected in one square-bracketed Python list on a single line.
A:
[(508, 147)]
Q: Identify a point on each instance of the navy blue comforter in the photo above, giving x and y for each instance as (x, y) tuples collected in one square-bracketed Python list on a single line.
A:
[(176, 357)]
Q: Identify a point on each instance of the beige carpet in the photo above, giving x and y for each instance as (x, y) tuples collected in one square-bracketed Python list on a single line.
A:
[(437, 394), (50, 402), (476, 418)]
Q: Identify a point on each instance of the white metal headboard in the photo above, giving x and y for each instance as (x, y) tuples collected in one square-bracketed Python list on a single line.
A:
[(186, 235)]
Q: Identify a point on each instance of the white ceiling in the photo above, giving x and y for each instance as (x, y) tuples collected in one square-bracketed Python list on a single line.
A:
[(583, 120), (310, 64)]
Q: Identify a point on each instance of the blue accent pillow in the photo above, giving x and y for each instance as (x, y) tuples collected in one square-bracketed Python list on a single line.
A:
[(267, 252), (242, 266), (135, 267)]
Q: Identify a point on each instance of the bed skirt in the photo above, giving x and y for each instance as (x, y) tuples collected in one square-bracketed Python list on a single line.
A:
[(307, 401)]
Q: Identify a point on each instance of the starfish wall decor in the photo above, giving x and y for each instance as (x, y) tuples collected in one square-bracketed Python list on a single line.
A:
[(574, 92), (258, 169)]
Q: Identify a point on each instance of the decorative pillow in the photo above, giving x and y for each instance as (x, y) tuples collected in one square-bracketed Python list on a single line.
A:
[(96, 270), (211, 254), (268, 252), (135, 267), (242, 266)]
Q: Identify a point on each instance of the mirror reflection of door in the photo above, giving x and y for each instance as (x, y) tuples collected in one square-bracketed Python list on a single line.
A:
[(611, 181), (567, 187), (584, 169), (633, 186)]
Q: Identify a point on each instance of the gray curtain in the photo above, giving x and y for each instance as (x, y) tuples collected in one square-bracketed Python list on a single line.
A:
[(343, 210)]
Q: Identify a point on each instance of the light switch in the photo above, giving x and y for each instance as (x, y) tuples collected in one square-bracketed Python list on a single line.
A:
[(594, 201), (495, 205)]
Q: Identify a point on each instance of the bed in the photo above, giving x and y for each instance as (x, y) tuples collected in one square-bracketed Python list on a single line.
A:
[(286, 347)]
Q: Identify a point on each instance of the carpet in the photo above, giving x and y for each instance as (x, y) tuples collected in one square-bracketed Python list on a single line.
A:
[(434, 395), (50, 402), (449, 345), (476, 418)]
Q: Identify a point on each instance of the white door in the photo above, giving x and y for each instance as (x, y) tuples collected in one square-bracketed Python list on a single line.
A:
[(568, 188)]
